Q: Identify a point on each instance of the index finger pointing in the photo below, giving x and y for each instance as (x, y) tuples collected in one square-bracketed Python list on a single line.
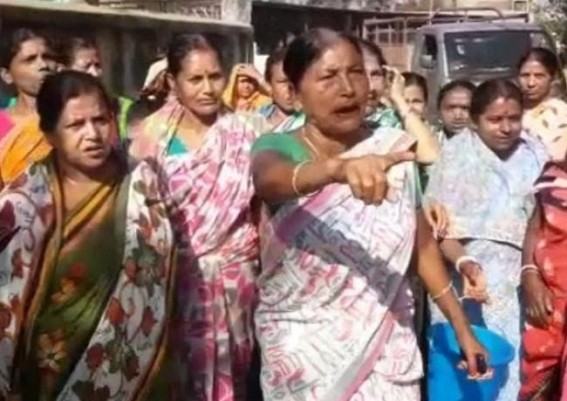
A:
[(396, 158)]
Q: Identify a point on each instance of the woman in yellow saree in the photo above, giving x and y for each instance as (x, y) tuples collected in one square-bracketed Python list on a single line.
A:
[(246, 91), (86, 257), (25, 61)]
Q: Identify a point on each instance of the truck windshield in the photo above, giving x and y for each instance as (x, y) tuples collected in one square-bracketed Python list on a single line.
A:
[(485, 52)]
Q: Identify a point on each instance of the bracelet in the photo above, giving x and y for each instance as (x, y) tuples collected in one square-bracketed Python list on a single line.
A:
[(442, 293), (464, 259), (294, 177), (529, 269)]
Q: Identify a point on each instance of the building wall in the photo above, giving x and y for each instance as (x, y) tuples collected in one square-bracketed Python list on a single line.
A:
[(128, 40)]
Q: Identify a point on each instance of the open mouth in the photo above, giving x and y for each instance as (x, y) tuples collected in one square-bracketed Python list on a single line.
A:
[(348, 111), (97, 151)]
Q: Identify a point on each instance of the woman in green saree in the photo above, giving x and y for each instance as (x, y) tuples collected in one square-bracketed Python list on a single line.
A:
[(86, 258)]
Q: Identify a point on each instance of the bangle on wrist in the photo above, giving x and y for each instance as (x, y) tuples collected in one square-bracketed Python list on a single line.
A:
[(529, 269), (442, 293), (464, 259), (296, 170), (294, 177)]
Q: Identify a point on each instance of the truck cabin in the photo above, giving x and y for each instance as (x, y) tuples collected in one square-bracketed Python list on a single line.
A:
[(475, 51)]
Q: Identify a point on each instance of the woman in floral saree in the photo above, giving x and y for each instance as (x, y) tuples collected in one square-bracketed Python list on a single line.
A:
[(204, 160), (25, 61), (86, 256), (545, 115), (335, 311), (484, 179)]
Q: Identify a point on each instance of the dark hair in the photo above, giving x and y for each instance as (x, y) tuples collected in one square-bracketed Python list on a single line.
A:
[(491, 90), (184, 43), (12, 44), (276, 57), (453, 85), (413, 79), (59, 89), (139, 110), (545, 57), (373, 49), (71, 46), (307, 48)]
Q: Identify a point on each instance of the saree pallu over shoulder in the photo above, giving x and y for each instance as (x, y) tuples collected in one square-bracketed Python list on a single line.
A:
[(335, 306), (486, 197), (209, 194), (23, 145), (126, 344)]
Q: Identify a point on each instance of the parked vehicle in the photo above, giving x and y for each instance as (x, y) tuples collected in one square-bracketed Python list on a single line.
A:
[(472, 50), (460, 47)]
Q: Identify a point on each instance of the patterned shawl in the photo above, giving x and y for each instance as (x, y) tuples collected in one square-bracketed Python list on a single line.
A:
[(548, 123), (209, 193), (335, 305), (486, 197)]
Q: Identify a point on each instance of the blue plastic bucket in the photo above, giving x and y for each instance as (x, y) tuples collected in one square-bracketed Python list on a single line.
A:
[(445, 382)]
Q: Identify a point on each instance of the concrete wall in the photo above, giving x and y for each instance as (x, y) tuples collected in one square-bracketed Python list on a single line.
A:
[(128, 39)]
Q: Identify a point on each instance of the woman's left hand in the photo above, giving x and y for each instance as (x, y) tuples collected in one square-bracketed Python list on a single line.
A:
[(438, 219), (397, 85), (475, 285), (471, 349), (250, 71)]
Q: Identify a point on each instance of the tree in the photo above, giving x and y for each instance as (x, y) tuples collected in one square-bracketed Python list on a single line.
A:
[(552, 15)]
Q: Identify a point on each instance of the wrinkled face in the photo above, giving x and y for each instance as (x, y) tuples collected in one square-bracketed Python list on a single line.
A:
[(84, 134), (30, 66), (455, 110), (281, 89), (88, 61), (535, 81), (245, 87), (334, 90), (376, 81), (415, 98), (500, 125), (200, 83)]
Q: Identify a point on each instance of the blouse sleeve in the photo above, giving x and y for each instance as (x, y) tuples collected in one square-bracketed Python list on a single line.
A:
[(283, 144)]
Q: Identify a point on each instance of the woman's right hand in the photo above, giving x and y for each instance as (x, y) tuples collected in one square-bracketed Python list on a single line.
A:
[(539, 300), (366, 175), (471, 349)]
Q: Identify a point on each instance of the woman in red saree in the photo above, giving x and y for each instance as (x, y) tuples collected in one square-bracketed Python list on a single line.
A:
[(544, 281)]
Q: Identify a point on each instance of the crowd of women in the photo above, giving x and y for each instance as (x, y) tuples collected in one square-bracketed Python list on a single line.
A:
[(272, 235)]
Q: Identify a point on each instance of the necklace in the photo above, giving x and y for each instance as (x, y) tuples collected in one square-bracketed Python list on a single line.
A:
[(311, 145)]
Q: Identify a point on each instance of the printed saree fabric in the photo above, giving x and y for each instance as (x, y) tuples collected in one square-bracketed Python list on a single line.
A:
[(290, 124), (85, 296), (486, 197), (335, 310), (545, 354), (209, 192), (548, 123)]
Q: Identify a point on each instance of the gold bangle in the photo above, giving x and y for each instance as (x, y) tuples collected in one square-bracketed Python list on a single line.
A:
[(442, 293), (294, 177)]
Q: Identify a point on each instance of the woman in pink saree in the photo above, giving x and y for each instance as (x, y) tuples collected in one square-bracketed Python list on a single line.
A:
[(335, 309), (204, 159)]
